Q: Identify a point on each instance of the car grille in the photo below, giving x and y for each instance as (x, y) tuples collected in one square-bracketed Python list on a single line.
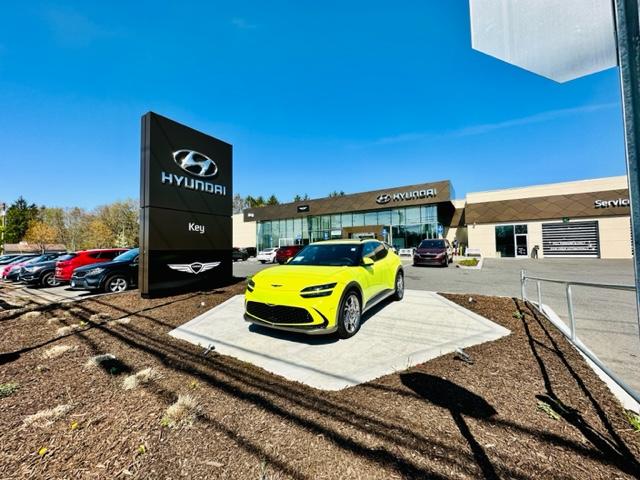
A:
[(278, 313)]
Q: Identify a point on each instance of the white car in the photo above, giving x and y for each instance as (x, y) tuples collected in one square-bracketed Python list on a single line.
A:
[(406, 252), (268, 255)]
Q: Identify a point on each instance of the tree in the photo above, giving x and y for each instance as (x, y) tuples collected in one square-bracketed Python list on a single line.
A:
[(273, 200), (76, 221), (41, 234), (121, 218), (98, 235), (255, 201), (19, 215), (299, 198), (54, 218), (239, 203), (335, 193)]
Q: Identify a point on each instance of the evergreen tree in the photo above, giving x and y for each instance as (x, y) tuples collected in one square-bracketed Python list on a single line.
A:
[(19, 215)]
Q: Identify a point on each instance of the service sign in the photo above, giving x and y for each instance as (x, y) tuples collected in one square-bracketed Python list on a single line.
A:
[(186, 205)]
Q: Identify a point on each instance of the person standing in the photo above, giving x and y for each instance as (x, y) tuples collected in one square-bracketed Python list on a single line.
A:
[(455, 246)]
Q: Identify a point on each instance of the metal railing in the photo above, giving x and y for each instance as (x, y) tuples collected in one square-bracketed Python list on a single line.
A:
[(571, 334)]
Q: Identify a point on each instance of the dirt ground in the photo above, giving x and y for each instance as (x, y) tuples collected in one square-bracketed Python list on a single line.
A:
[(527, 408)]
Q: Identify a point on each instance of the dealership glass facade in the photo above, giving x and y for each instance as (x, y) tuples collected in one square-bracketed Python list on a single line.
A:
[(403, 227)]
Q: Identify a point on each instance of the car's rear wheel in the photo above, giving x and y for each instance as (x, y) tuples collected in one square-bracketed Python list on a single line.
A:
[(399, 288), (49, 280), (350, 315), (116, 284)]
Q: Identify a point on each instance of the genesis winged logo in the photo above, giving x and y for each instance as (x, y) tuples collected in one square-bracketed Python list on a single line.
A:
[(195, 163), (195, 267)]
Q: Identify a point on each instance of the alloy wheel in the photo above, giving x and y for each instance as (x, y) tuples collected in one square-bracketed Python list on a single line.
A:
[(351, 313), (117, 284), (399, 285), (50, 280)]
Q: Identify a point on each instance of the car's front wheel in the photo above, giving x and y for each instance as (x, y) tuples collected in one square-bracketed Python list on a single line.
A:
[(399, 287), (49, 280), (116, 284), (350, 315)]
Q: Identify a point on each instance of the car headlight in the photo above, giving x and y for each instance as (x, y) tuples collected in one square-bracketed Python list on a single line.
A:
[(95, 271), (251, 285), (318, 290)]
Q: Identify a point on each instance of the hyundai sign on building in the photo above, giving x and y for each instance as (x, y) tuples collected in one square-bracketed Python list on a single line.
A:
[(185, 223)]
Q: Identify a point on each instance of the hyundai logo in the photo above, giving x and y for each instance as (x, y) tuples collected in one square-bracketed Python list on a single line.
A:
[(195, 163), (383, 198)]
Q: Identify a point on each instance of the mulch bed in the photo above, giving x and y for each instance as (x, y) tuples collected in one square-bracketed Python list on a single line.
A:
[(443, 419)]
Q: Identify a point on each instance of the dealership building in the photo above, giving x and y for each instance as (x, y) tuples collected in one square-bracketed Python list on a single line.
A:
[(586, 218)]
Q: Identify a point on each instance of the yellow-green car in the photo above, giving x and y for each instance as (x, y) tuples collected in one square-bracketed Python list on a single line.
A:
[(325, 288)]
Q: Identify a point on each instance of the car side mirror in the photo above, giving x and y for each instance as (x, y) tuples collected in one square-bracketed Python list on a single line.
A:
[(367, 261)]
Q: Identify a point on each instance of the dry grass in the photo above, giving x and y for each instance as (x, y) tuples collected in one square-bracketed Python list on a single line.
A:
[(99, 359), (142, 377), (30, 315), (57, 351), (47, 417), (62, 331), (73, 311), (182, 413), (96, 317)]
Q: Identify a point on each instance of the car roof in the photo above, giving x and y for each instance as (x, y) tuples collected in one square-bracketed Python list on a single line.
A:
[(348, 241)]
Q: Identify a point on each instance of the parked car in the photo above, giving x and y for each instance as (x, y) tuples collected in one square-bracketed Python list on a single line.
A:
[(433, 252), (268, 255), (406, 252), (239, 254), (285, 253), (41, 272), (251, 251), (68, 263), (16, 270), (114, 276), (14, 257), (9, 257), (6, 269), (325, 288)]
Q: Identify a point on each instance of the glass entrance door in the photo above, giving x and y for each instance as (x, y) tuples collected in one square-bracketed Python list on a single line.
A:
[(522, 249)]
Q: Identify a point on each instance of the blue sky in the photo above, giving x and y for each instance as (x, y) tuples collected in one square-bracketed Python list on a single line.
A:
[(314, 96)]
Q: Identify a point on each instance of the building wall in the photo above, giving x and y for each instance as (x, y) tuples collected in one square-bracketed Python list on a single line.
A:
[(244, 233), (614, 233), (564, 188), (615, 237)]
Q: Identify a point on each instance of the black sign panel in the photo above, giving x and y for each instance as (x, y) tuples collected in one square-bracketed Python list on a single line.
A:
[(186, 202)]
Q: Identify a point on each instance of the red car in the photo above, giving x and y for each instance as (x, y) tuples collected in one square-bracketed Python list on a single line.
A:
[(285, 253), (68, 263)]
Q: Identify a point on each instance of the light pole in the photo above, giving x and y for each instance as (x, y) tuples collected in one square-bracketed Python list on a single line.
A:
[(3, 214)]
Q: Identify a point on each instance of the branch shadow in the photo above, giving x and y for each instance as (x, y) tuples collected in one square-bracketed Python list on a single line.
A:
[(613, 449), (460, 402)]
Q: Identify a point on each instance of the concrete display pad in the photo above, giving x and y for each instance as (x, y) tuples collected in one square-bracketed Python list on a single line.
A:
[(394, 336)]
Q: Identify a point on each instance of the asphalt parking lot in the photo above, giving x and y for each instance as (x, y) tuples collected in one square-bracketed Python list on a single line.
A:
[(606, 319), (9, 292)]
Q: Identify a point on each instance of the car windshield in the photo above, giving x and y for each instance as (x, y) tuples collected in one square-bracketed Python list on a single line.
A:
[(39, 258), (432, 244), (127, 256), (329, 255)]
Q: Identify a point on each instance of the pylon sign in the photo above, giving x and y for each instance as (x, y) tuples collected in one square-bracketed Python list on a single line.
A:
[(559, 39), (185, 200)]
